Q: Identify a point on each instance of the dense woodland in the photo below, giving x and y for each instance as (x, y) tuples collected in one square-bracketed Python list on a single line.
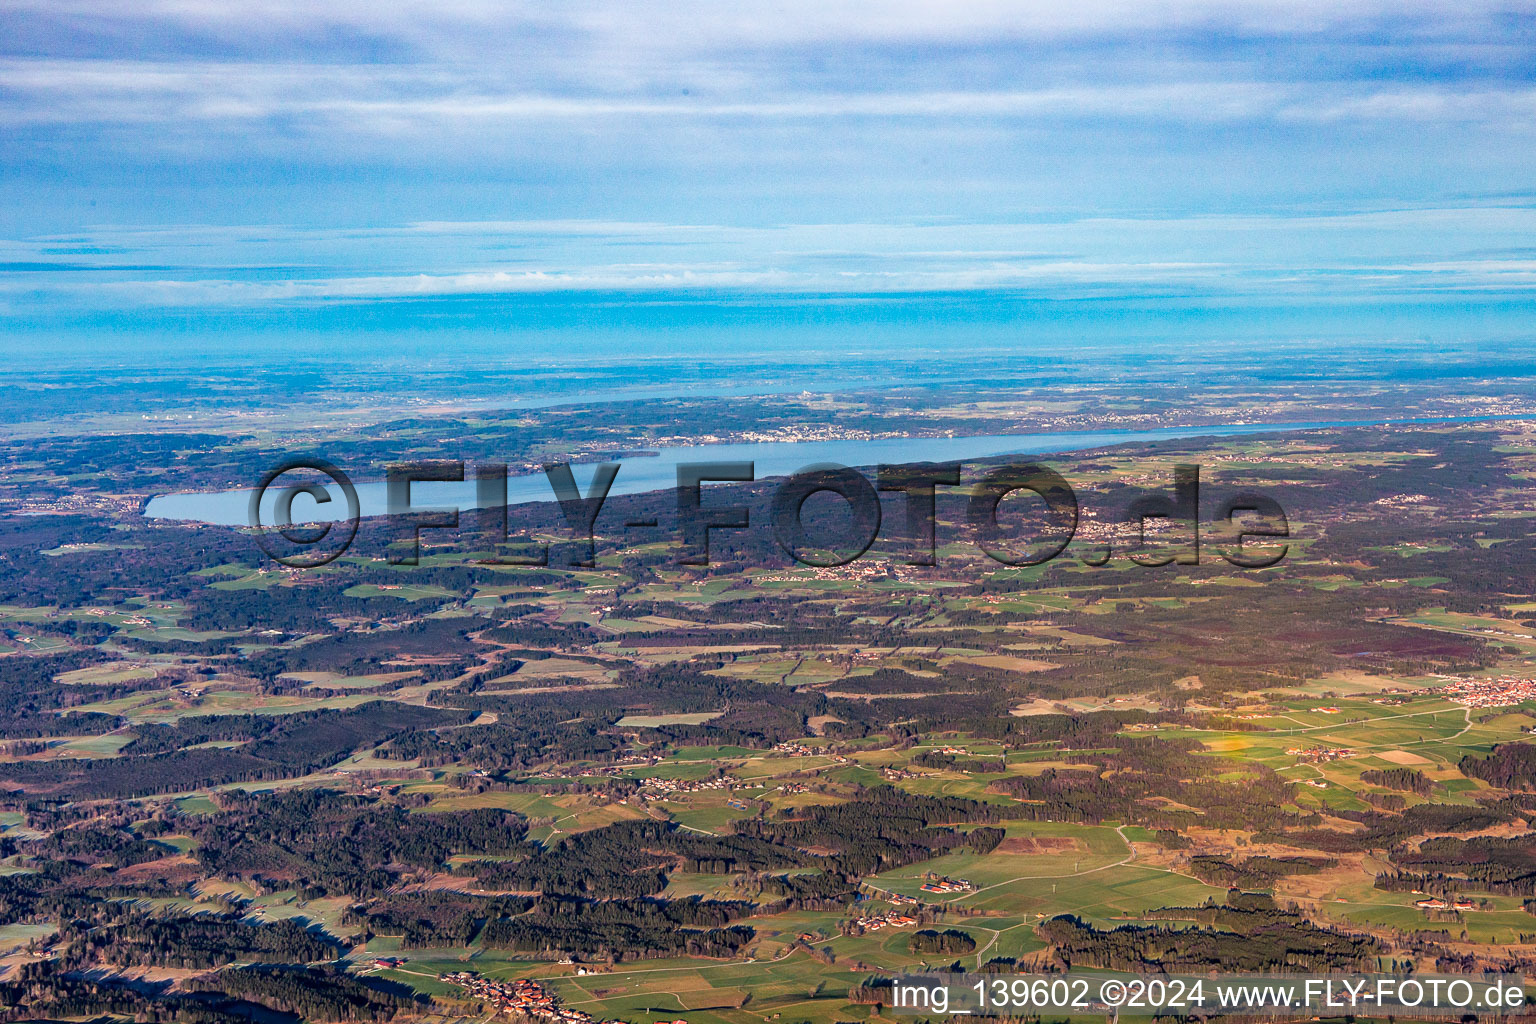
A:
[(1248, 934), (284, 994)]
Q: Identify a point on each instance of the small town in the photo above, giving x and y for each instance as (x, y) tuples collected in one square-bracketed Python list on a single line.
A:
[(664, 785), (522, 997), (851, 571), (1488, 692)]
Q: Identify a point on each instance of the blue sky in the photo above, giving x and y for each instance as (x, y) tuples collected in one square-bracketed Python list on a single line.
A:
[(274, 170)]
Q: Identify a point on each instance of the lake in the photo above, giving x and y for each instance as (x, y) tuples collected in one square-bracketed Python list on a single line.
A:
[(779, 458)]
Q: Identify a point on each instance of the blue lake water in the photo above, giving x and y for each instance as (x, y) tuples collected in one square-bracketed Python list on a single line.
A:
[(770, 459)]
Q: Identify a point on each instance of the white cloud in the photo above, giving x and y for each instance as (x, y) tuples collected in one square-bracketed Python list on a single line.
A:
[(367, 99), (1462, 249), (411, 65), (453, 25)]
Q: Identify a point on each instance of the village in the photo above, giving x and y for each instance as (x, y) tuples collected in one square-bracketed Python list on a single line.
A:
[(1319, 755), (523, 997), (1490, 692), (844, 573), (660, 784), (893, 919)]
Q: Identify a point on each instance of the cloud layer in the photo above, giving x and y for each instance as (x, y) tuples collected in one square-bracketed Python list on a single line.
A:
[(188, 154)]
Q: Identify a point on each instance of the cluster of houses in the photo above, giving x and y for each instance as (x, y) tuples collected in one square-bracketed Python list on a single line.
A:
[(894, 919), (851, 571), (1436, 903), (797, 749), (775, 435), (1492, 692), (615, 770), (1399, 500), (661, 785), (523, 996), (1317, 755), (943, 885)]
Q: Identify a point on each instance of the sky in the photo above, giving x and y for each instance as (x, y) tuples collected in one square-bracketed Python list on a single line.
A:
[(691, 176)]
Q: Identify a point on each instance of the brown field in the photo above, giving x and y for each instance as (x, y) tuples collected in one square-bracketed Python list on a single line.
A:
[(1039, 844), (178, 867), (1011, 662), (1401, 757), (1038, 706), (1351, 871)]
